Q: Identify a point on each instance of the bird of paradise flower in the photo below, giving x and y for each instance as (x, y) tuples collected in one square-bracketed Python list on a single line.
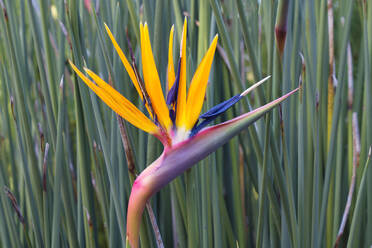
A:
[(175, 121)]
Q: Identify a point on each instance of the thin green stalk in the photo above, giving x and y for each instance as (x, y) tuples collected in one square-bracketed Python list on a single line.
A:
[(262, 188), (32, 176), (50, 101), (360, 201), (48, 54), (58, 170), (335, 119), (247, 40)]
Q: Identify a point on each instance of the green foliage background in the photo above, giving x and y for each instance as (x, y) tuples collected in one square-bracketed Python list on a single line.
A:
[(283, 182)]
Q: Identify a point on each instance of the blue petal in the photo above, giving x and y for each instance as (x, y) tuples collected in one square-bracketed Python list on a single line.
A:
[(172, 115), (220, 108), (199, 127), (213, 113), (173, 92)]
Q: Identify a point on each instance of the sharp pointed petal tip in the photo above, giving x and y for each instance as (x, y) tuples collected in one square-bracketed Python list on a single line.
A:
[(108, 30), (264, 79), (71, 63), (184, 26), (171, 30), (255, 86), (215, 40), (88, 71)]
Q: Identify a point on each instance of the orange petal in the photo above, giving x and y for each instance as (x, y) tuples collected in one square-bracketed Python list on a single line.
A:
[(152, 81), (117, 102), (196, 94), (125, 62), (170, 72), (181, 97)]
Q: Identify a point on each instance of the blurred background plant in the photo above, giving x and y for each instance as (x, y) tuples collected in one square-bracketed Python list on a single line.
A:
[(297, 178)]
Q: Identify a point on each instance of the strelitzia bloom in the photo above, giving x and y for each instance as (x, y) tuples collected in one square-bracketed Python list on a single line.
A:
[(174, 120)]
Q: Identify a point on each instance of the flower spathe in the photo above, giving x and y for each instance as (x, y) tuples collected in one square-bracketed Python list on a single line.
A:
[(173, 120)]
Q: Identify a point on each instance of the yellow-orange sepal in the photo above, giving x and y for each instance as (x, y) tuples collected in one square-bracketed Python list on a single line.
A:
[(117, 102)]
